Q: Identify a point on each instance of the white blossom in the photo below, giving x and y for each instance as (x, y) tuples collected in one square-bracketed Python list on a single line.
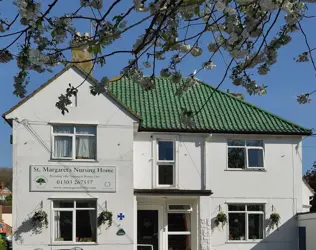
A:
[(220, 6), (196, 51), (209, 65), (165, 73), (185, 48), (176, 77), (212, 47), (268, 5), (37, 58), (238, 53)]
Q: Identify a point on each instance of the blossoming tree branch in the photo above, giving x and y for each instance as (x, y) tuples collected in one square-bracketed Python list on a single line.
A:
[(247, 32)]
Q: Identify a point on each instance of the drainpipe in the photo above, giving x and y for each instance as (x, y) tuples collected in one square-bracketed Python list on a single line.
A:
[(205, 161)]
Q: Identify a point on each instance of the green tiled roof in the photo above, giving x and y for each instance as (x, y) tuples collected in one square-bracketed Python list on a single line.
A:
[(160, 110)]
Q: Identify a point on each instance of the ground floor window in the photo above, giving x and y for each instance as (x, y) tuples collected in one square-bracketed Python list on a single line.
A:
[(245, 222), (179, 228), (75, 220)]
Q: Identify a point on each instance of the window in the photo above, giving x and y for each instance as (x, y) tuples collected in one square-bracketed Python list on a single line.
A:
[(245, 154), (166, 163), (74, 142), (245, 222), (179, 228), (75, 220)]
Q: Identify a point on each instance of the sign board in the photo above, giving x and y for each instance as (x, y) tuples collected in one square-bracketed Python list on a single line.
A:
[(72, 178)]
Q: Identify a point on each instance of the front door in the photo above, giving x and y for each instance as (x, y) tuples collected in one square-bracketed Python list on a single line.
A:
[(148, 229)]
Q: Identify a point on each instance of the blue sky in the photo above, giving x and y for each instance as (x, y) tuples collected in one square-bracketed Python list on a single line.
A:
[(286, 80)]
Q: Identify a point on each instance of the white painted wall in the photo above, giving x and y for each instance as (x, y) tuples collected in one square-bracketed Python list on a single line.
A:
[(309, 222), (31, 145), (279, 186), (189, 154), (307, 195)]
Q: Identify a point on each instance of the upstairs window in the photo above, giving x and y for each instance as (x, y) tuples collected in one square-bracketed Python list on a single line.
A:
[(166, 163), (245, 154), (74, 142)]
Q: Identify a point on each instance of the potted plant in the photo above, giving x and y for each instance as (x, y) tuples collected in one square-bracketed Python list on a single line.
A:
[(86, 239), (221, 218), (105, 217), (275, 220), (39, 219)]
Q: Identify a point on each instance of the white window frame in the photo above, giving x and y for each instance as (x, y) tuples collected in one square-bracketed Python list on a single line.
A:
[(73, 210), (157, 162), (246, 153), (246, 212), (179, 211), (73, 136)]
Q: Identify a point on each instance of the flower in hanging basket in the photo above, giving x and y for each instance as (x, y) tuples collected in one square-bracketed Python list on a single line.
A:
[(221, 218), (275, 220), (39, 219), (105, 217)]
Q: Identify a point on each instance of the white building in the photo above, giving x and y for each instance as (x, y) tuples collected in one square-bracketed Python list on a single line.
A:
[(127, 151)]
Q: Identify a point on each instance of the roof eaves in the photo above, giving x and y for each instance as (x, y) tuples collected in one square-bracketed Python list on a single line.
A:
[(71, 65), (210, 131)]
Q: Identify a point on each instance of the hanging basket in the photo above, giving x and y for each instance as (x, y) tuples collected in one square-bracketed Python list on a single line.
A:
[(275, 220), (221, 218), (105, 217), (39, 219)]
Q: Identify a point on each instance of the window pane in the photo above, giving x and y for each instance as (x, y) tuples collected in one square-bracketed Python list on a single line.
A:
[(236, 157), (254, 143), (165, 175), (255, 226), (255, 208), (63, 225), (179, 222), (85, 147), (63, 129), (179, 242), (86, 130), (86, 225), (62, 146), (255, 158), (236, 226), (86, 204), (165, 150), (63, 204), (236, 207), (236, 143)]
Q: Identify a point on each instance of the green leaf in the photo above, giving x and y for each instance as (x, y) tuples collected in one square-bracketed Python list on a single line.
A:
[(96, 49), (53, 34)]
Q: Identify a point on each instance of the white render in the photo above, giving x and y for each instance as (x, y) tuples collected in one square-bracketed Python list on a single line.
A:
[(201, 164), (307, 196), (308, 220)]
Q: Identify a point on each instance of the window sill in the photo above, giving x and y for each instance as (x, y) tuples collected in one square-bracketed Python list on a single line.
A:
[(73, 243), (70, 160), (243, 241), (246, 170)]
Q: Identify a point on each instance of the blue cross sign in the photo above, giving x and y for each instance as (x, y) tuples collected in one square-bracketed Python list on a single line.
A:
[(120, 216)]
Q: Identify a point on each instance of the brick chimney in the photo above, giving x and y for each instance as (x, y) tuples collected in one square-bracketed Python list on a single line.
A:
[(81, 53)]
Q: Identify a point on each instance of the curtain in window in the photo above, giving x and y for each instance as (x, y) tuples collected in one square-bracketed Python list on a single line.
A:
[(62, 146), (187, 219), (93, 223), (85, 147), (57, 225)]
